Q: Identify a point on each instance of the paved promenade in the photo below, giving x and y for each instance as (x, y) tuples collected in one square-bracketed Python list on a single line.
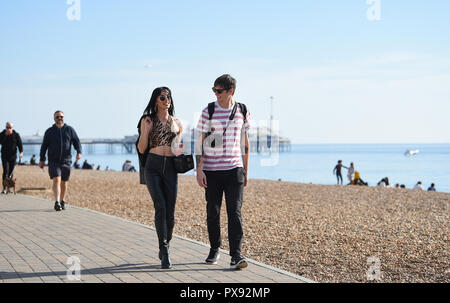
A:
[(38, 244)]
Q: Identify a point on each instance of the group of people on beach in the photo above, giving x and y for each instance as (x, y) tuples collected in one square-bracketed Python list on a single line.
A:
[(350, 171), (418, 186), (222, 163), (355, 178)]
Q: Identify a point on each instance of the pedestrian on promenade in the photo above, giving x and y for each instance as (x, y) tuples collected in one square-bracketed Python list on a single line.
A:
[(10, 141), (337, 170), (159, 133), (222, 166), (58, 141)]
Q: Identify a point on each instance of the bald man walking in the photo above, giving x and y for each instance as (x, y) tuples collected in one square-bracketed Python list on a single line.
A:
[(58, 140)]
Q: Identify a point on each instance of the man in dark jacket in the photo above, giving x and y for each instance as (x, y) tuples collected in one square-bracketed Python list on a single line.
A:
[(10, 141), (58, 140)]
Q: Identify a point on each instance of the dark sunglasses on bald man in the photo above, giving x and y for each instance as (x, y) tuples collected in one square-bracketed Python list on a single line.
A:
[(59, 117)]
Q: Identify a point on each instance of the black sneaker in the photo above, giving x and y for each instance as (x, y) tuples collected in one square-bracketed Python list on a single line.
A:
[(213, 256), (238, 263), (63, 207), (57, 206)]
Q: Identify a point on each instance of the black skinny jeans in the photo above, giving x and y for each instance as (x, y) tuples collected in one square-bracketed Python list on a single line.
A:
[(162, 183), (230, 182)]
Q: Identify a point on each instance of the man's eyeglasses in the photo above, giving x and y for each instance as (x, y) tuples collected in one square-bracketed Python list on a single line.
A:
[(163, 98), (59, 117), (217, 90)]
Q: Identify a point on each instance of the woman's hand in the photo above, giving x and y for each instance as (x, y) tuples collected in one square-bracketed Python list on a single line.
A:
[(146, 125)]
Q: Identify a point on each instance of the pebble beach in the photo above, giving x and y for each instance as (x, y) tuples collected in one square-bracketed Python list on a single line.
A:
[(326, 233)]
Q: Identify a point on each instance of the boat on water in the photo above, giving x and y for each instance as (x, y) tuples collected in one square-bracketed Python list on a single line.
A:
[(411, 152)]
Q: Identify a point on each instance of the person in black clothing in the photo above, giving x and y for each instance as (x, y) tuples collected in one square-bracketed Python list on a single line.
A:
[(10, 141), (86, 165), (337, 169), (58, 140)]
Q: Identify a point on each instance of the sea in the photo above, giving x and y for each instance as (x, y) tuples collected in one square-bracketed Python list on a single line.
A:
[(314, 163)]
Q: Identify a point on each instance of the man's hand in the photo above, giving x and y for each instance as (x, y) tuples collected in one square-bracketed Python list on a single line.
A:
[(41, 164), (245, 179), (21, 155), (78, 157), (201, 178)]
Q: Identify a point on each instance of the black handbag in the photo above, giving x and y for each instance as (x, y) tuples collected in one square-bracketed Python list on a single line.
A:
[(183, 163)]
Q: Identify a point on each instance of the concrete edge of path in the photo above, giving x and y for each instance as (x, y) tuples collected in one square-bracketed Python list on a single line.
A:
[(281, 271)]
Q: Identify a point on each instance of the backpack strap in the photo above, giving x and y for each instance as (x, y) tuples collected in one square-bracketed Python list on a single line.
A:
[(211, 108), (243, 108)]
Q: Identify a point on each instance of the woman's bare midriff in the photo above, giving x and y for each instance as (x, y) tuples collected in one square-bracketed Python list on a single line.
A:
[(162, 151)]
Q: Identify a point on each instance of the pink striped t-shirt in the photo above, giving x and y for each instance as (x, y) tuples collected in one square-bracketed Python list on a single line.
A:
[(226, 154)]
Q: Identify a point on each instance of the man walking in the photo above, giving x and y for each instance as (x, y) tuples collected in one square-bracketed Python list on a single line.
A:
[(10, 141), (58, 140), (222, 156)]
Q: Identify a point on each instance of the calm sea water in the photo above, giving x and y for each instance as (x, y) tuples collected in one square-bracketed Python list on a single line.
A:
[(314, 163)]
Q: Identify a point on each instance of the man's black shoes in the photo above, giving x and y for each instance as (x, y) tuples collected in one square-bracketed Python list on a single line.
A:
[(238, 262), (213, 256), (63, 205)]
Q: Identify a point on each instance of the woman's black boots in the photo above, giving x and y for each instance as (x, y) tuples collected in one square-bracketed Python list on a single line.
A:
[(164, 256)]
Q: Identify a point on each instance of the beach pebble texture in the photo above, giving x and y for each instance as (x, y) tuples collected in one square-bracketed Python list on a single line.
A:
[(326, 233)]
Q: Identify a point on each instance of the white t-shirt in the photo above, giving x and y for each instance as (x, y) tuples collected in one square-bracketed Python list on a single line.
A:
[(227, 153), (418, 186)]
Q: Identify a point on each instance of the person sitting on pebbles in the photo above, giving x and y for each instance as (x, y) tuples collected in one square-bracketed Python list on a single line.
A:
[(358, 180)]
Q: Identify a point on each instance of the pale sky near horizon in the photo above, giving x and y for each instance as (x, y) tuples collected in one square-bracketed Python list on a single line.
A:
[(335, 75)]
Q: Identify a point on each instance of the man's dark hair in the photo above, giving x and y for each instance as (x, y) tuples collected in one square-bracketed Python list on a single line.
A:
[(226, 82)]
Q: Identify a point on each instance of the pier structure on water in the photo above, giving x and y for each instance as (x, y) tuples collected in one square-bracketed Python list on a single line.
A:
[(260, 142)]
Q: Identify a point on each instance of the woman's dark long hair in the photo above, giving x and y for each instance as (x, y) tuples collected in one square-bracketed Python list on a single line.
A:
[(151, 107)]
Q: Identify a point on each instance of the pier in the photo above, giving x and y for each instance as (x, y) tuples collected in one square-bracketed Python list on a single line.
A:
[(260, 142)]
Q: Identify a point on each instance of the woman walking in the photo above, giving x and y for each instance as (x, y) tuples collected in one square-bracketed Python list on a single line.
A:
[(160, 132)]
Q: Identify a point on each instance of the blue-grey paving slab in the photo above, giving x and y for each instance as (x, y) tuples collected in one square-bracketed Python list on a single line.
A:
[(40, 245)]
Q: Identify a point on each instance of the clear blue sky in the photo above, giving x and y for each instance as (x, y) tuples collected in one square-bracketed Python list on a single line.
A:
[(336, 76)]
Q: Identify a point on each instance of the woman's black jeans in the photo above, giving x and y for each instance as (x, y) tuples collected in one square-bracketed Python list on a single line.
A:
[(162, 183)]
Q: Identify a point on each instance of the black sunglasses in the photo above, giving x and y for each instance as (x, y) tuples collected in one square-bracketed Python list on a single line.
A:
[(219, 91), (163, 98), (59, 117)]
